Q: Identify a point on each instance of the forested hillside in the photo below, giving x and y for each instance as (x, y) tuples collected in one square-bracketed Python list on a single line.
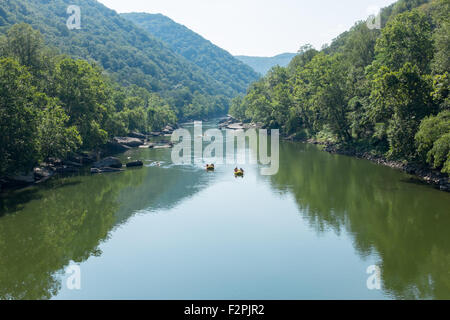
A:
[(263, 64), (216, 62), (52, 105), (378, 91), (129, 54)]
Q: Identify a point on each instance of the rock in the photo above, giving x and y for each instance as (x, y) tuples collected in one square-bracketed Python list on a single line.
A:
[(54, 162), (42, 174), (136, 163), (155, 134), (88, 157), (109, 162), (147, 146), (164, 146), (115, 147), (129, 142), (105, 170), (137, 135), (236, 126)]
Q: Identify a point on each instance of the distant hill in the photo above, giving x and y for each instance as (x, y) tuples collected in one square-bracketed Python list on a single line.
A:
[(216, 62), (128, 53), (263, 64)]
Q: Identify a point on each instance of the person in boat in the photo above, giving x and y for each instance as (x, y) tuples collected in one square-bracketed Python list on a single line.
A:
[(236, 170), (242, 170)]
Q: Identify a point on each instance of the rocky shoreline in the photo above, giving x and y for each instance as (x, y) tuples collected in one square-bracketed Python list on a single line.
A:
[(432, 177), (425, 174), (100, 162), (232, 124)]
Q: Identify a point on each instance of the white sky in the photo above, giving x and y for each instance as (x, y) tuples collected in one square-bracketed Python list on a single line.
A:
[(259, 27)]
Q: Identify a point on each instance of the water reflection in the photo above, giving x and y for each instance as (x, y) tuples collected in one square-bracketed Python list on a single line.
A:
[(43, 229), (405, 224)]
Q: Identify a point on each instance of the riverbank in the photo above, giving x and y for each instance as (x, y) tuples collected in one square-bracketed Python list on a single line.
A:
[(425, 174), (79, 162)]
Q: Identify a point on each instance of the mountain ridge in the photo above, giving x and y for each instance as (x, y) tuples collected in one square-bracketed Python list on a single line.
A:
[(215, 61), (263, 64), (129, 54)]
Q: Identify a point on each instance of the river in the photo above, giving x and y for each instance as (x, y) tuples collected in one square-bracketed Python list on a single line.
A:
[(312, 231)]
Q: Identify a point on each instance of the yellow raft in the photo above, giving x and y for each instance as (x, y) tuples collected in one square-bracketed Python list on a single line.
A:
[(210, 167), (239, 173)]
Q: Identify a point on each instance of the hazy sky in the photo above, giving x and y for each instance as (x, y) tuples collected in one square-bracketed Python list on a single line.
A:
[(259, 27)]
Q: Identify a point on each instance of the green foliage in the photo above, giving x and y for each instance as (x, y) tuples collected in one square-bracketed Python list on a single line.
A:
[(369, 89), (216, 62), (128, 53), (433, 140), (18, 118), (237, 108), (401, 99), (407, 38), (55, 105), (83, 94), (25, 44), (441, 62), (56, 138)]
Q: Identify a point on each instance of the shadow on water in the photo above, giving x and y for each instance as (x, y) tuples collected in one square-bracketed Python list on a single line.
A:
[(45, 228), (382, 209), (15, 200), (405, 224)]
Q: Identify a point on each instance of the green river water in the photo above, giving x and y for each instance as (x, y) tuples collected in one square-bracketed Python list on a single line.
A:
[(178, 232)]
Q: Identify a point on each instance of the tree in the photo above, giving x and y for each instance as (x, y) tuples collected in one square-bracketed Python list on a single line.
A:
[(18, 119), (401, 99), (433, 140), (407, 38), (25, 44), (56, 139), (237, 109), (441, 18), (84, 95)]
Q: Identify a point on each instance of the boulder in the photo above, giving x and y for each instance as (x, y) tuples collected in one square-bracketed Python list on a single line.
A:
[(129, 142), (137, 163), (147, 146), (168, 130), (164, 146), (109, 162), (42, 174), (87, 157), (137, 135), (115, 147), (155, 134)]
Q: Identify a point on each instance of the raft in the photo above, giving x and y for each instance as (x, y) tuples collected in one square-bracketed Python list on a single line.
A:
[(210, 167), (239, 173)]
